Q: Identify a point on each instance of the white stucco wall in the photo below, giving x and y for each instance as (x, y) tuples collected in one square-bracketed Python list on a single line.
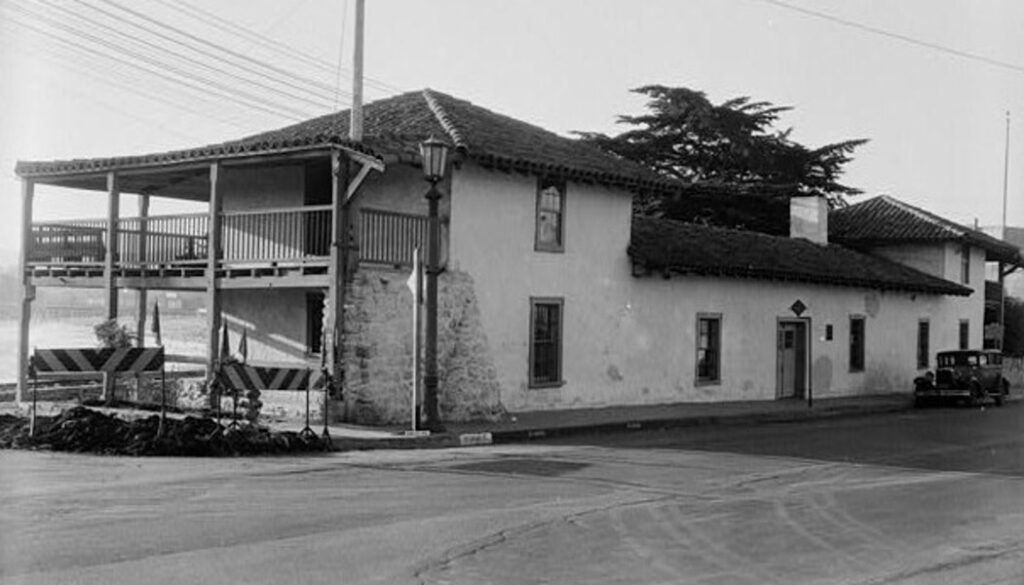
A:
[(275, 321), (943, 260), (629, 340)]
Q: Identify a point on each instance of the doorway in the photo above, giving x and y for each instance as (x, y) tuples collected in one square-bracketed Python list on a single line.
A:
[(317, 225), (792, 359)]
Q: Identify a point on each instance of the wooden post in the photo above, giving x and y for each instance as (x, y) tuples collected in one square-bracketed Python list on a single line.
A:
[(27, 288), (140, 326), (335, 321), (213, 254), (113, 208)]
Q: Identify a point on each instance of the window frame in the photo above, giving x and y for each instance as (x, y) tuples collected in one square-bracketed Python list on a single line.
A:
[(860, 349), (923, 343), (543, 183), (698, 380), (964, 334), (559, 343)]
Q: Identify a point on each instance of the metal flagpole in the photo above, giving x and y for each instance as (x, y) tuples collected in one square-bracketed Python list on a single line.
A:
[(415, 286), (1002, 283)]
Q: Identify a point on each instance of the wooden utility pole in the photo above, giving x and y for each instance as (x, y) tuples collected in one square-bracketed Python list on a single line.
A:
[(356, 119)]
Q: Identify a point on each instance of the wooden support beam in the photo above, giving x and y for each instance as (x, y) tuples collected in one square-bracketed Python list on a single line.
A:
[(335, 300), (27, 288), (140, 326), (353, 186), (213, 255), (113, 211)]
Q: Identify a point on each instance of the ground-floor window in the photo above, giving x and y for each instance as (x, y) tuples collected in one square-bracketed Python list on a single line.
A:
[(709, 348), (545, 342), (922, 344), (856, 344), (965, 333), (314, 322)]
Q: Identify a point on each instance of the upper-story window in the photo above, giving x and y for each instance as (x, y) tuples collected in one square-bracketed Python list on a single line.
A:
[(965, 264), (550, 231)]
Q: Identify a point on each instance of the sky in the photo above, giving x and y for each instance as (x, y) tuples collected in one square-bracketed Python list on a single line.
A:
[(928, 82)]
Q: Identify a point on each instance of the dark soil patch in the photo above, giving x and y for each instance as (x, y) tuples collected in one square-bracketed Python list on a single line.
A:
[(83, 430)]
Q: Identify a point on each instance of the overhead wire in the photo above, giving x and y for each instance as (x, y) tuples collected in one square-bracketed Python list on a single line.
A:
[(897, 36), (212, 19), (184, 78), (116, 78), (188, 61), (277, 70), (211, 54)]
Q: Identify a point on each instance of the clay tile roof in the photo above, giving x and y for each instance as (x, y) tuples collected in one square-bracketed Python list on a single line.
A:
[(397, 124), (886, 220), (666, 246)]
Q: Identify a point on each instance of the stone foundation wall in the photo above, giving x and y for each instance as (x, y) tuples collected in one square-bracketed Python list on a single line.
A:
[(377, 350)]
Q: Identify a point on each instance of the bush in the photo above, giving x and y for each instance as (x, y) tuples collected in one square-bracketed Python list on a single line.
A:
[(110, 333)]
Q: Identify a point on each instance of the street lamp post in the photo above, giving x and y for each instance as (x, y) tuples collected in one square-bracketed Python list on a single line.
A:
[(435, 155)]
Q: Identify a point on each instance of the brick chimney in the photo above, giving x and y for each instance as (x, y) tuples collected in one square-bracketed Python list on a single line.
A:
[(808, 218)]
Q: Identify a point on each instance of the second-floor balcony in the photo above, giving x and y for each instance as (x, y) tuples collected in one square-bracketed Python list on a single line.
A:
[(285, 242)]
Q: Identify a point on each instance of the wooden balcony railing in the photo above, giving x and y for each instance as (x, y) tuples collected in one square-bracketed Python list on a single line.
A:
[(163, 239), (389, 237), (300, 235), (276, 235), (67, 242)]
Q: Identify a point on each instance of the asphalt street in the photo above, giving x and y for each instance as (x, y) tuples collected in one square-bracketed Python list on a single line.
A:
[(932, 496)]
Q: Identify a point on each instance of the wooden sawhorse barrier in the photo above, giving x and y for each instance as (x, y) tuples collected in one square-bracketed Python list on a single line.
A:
[(108, 361)]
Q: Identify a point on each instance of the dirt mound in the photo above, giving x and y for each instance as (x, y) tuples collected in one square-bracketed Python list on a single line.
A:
[(83, 430)]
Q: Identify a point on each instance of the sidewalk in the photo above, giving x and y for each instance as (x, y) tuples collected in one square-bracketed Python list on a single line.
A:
[(536, 424), (523, 426)]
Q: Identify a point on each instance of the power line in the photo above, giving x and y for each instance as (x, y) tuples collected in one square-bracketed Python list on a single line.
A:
[(187, 79), (163, 51), (897, 36), (111, 75), (212, 19), (219, 50)]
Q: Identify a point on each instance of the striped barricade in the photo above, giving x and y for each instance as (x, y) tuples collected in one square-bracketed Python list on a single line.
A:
[(247, 377), (244, 377), (108, 361), (104, 360)]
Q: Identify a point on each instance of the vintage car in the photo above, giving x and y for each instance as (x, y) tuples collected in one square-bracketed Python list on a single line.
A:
[(970, 375)]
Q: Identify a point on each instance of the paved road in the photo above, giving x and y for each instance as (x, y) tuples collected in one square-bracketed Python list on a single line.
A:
[(933, 496)]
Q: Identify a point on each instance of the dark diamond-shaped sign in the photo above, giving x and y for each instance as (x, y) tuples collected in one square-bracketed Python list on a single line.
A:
[(798, 307)]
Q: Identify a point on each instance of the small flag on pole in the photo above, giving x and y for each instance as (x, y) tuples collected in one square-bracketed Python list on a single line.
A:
[(225, 346), (415, 279), (243, 345), (156, 324)]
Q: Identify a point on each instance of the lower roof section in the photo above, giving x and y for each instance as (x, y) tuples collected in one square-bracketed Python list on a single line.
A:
[(666, 246)]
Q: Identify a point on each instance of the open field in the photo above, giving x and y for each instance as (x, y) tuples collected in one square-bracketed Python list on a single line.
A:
[(182, 334)]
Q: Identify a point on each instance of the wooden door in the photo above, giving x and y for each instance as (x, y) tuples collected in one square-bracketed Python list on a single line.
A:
[(791, 362)]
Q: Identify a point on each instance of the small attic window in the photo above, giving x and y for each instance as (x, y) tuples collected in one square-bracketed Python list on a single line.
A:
[(550, 225)]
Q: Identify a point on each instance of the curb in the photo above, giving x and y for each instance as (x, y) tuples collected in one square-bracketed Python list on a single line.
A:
[(493, 437), (522, 435)]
